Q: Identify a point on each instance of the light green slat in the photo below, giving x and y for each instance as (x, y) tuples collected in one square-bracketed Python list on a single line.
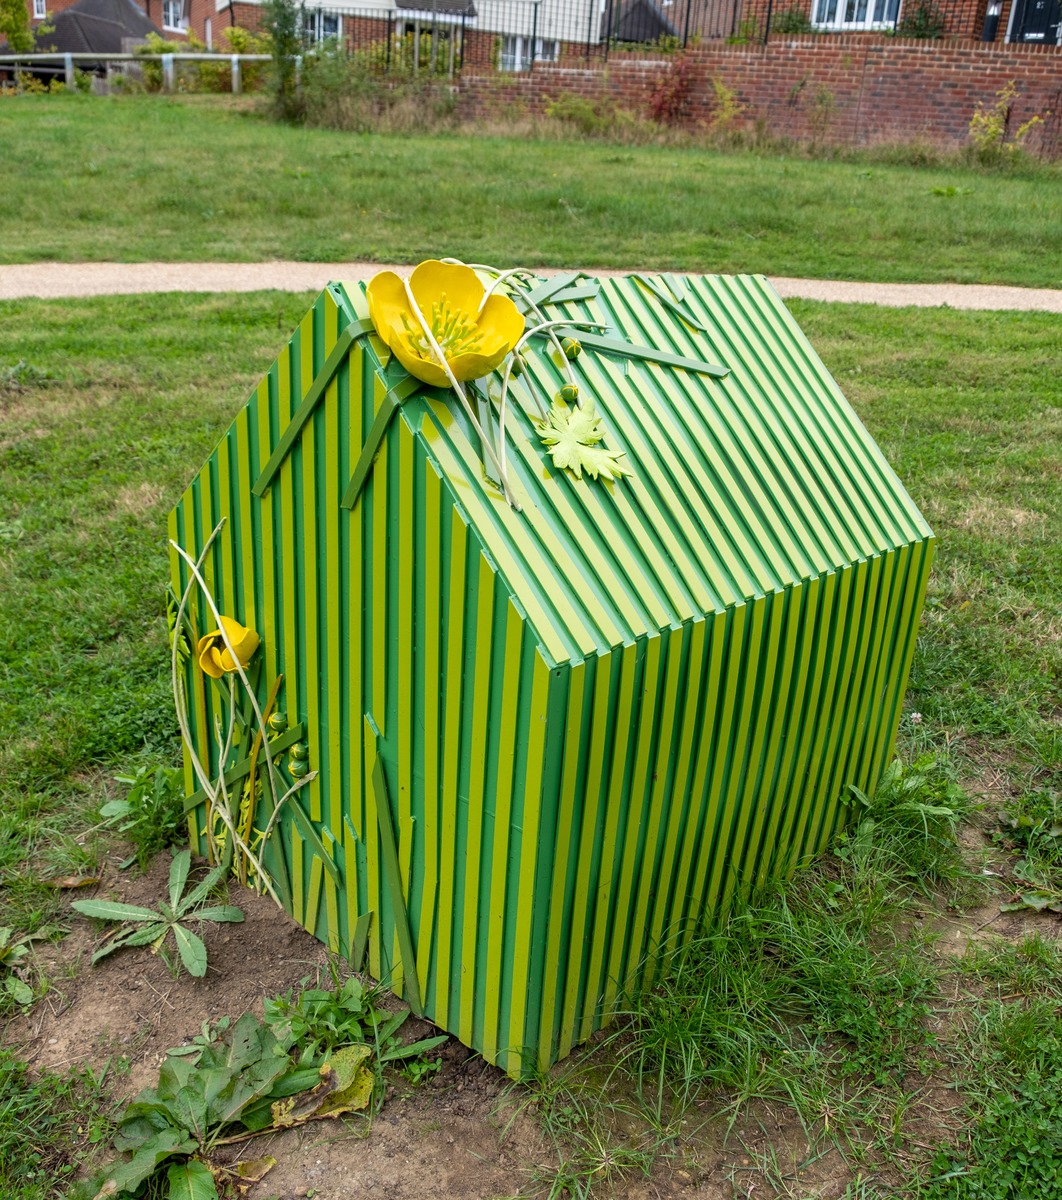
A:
[(331, 938), (658, 801), (679, 812), (822, 606), (250, 602), (762, 837), (623, 817), (333, 591), (285, 564), (428, 683), (849, 598), (309, 608), (913, 601), (752, 380), (494, 925), (453, 701), (477, 753), (753, 469), (403, 635), (528, 864), (381, 500), (856, 635), (228, 601), (861, 696), (569, 823), (376, 883), (733, 814), (788, 558), (353, 525), (611, 586), (664, 507), (755, 798), (680, 917), (870, 492), (574, 990), (715, 808)]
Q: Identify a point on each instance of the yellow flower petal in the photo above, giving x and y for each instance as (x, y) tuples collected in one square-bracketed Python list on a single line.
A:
[(460, 284), (209, 659), (387, 304), (448, 296), (425, 369), (214, 656)]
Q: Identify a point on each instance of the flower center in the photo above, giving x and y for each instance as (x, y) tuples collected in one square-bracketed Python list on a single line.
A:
[(454, 329)]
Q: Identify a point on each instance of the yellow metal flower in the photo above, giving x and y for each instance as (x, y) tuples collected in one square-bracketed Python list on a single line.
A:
[(474, 336), (214, 656)]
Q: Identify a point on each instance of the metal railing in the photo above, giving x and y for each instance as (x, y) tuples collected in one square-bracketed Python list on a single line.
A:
[(66, 64), (514, 35)]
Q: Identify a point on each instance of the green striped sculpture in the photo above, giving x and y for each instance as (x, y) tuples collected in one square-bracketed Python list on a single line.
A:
[(552, 741)]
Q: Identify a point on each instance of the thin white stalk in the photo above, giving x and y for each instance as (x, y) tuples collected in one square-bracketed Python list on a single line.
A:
[(299, 783), (440, 356), (219, 790)]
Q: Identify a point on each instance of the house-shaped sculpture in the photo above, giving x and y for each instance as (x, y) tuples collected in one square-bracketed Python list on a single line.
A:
[(553, 740)]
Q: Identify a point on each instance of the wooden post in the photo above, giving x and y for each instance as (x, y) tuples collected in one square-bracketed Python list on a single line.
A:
[(167, 73), (68, 64), (236, 81)]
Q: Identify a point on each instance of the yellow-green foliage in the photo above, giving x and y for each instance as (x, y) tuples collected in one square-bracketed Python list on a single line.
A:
[(15, 26), (989, 124), (206, 76)]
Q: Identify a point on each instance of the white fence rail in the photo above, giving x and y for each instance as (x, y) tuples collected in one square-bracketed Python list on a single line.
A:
[(23, 62)]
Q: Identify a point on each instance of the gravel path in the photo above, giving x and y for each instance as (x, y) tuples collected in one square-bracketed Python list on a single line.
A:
[(55, 280)]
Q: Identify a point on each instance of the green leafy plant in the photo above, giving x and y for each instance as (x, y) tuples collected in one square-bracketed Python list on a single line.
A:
[(792, 20), (314, 1057), (924, 20), (318, 1020), (152, 926), (151, 815), (13, 952), (989, 129)]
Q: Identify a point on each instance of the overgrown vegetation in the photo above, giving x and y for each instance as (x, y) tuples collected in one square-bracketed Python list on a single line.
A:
[(499, 198), (833, 1000), (319, 1057)]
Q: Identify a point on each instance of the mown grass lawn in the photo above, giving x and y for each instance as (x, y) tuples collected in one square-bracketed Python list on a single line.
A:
[(107, 406), (145, 177)]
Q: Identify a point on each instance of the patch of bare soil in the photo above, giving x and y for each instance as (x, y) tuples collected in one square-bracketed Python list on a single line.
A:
[(443, 1138), (461, 1134)]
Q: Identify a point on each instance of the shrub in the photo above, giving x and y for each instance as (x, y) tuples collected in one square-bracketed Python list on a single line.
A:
[(989, 127), (669, 101), (923, 19)]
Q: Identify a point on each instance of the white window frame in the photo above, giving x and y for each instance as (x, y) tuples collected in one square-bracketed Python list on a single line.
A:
[(169, 8), (843, 16), (516, 52), (314, 27), (40, 9)]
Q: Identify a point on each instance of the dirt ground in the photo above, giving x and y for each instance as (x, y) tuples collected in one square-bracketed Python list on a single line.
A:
[(462, 1134)]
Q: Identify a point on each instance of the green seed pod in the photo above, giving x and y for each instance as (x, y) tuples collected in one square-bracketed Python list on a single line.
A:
[(298, 768), (569, 393), (571, 348), (519, 364), (300, 750), (278, 722)]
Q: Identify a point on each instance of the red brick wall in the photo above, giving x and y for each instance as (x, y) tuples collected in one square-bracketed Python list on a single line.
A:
[(847, 89)]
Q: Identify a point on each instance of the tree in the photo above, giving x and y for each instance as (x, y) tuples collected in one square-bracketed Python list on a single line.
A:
[(15, 26)]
